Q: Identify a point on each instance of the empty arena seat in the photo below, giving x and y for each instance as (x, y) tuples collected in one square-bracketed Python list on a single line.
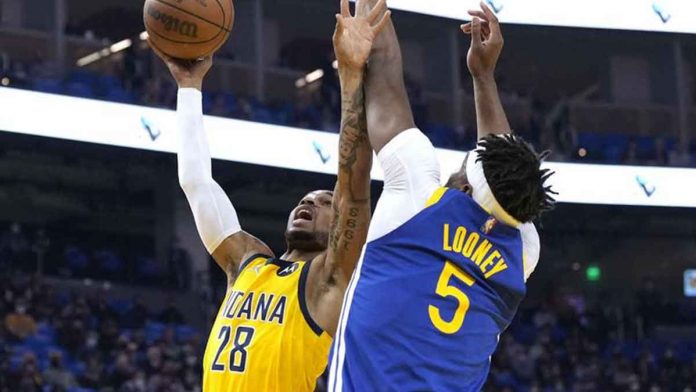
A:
[(79, 89), (83, 76), (48, 85), (118, 94), (76, 258), (120, 306), (109, 262), (80, 389), (184, 332)]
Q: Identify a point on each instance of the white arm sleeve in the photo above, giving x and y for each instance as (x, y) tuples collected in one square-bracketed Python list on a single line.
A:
[(216, 218), (411, 175)]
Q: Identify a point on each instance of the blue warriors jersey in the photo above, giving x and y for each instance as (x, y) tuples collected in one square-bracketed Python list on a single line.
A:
[(428, 302)]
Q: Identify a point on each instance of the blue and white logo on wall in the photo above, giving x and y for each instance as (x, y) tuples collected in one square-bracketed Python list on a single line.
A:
[(690, 283)]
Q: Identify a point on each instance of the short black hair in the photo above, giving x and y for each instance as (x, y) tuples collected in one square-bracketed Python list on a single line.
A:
[(513, 170)]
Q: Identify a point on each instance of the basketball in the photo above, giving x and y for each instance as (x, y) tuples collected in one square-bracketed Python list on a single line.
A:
[(188, 29)]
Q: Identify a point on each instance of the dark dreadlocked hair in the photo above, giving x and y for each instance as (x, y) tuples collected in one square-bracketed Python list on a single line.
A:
[(513, 171)]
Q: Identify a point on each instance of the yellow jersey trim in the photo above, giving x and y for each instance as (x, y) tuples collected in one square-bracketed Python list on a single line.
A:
[(436, 196), (251, 259)]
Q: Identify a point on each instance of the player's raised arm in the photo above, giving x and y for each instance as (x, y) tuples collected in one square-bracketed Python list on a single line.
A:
[(486, 46), (352, 43), (216, 218)]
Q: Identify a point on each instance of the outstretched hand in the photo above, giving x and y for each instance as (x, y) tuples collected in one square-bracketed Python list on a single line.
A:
[(486, 42), (354, 35), (187, 73)]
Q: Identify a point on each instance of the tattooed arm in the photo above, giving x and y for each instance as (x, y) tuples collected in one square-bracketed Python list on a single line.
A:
[(330, 272), (352, 43), (351, 202)]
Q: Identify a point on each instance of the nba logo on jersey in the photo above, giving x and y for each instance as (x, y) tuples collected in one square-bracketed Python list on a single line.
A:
[(288, 270), (489, 225)]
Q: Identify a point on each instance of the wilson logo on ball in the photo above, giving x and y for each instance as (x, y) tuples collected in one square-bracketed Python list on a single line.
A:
[(172, 23)]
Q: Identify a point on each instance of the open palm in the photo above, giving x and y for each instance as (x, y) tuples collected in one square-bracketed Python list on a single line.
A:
[(486, 41), (355, 34)]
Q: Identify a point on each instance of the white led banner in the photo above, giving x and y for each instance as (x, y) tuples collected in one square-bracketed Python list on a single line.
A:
[(114, 124), (677, 16)]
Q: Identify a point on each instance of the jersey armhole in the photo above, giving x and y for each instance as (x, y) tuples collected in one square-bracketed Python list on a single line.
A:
[(301, 291), (436, 196), (251, 259)]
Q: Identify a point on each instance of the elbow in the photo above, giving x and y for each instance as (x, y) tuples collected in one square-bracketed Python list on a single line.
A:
[(189, 185)]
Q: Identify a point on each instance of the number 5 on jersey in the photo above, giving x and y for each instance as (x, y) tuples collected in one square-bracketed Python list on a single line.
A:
[(238, 355), (444, 289)]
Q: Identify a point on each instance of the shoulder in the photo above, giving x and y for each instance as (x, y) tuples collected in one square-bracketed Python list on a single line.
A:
[(531, 248)]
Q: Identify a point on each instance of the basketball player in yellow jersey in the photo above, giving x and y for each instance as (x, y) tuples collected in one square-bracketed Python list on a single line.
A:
[(274, 328)]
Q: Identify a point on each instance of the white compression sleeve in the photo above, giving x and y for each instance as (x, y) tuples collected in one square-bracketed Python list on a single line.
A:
[(216, 218)]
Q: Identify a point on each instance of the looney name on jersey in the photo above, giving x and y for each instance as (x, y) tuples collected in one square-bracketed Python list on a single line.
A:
[(478, 250), (255, 306)]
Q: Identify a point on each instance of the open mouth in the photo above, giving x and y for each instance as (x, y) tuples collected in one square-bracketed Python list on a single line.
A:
[(304, 214)]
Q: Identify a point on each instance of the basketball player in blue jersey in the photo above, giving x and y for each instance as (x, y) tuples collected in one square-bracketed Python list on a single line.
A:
[(444, 268)]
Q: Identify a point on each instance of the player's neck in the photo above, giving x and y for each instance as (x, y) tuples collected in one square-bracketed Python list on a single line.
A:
[(299, 254)]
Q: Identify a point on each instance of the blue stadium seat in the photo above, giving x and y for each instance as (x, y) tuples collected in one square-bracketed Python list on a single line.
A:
[(79, 89), (83, 76), (283, 114), (154, 331), (614, 146), (184, 332), (46, 330), (48, 85), (592, 142), (108, 262), (646, 144), (262, 115), (76, 258), (76, 367), (108, 82), (118, 94), (80, 389), (230, 102), (441, 135), (147, 268), (120, 306), (208, 99)]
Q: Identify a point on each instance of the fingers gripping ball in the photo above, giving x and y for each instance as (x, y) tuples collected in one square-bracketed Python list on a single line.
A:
[(188, 29)]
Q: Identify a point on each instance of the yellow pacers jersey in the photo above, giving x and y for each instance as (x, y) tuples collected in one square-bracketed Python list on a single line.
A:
[(263, 339)]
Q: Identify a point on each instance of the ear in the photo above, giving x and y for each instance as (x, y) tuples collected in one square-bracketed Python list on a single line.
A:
[(468, 189)]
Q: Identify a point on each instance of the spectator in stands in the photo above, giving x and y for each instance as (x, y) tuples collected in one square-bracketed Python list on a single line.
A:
[(330, 93), (94, 368), (136, 315), (56, 375), (329, 120), (19, 323), (122, 372), (243, 110), (27, 378), (680, 156), (631, 154), (307, 113), (14, 244), (658, 156), (180, 267), (5, 374), (170, 314), (219, 107), (136, 68)]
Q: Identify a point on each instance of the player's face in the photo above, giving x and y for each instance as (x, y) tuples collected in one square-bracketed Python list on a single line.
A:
[(309, 222), (459, 180)]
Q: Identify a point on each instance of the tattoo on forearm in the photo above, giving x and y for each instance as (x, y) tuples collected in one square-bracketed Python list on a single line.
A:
[(354, 149)]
